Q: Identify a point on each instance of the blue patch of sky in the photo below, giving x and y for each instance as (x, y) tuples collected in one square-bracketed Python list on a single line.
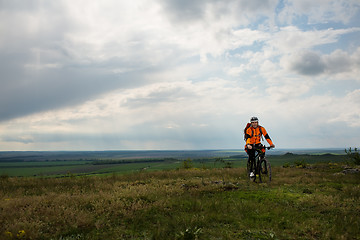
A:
[(279, 7), (302, 23), (329, 25), (255, 47), (348, 42), (260, 22), (345, 43), (355, 21)]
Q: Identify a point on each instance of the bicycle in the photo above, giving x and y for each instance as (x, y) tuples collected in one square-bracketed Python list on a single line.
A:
[(261, 165)]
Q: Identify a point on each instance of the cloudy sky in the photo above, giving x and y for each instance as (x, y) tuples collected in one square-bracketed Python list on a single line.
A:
[(171, 74)]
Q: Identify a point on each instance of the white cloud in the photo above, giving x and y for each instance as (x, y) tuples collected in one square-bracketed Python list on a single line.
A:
[(291, 39), (290, 88), (175, 112), (294, 48), (349, 113), (343, 64), (163, 74), (321, 11), (180, 106)]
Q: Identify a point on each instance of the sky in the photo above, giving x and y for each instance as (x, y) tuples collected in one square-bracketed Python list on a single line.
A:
[(178, 75)]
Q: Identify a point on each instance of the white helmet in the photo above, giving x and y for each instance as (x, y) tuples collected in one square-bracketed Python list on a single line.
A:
[(254, 119)]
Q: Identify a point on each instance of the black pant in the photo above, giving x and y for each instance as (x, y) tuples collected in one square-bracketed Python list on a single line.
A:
[(251, 153)]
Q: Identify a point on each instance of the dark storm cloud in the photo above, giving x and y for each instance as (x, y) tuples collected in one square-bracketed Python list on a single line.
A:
[(308, 63), (312, 63), (29, 45), (37, 78), (21, 94), (189, 10), (186, 10), (257, 5), (41, 69)]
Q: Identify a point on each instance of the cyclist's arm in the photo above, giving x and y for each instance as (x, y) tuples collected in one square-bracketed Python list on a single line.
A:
[(267, 137)]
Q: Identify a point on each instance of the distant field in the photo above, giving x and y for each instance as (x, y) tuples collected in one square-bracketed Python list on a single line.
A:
[(57, 164), (108, 155)]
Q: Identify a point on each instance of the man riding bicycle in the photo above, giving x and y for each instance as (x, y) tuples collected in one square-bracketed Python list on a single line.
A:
[(253, 136)]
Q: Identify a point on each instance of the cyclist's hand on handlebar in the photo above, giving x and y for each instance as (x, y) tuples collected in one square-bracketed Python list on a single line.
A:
[(272, 146), (249, 146)]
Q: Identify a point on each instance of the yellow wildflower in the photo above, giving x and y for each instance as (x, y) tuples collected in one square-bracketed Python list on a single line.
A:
[(21, 234)]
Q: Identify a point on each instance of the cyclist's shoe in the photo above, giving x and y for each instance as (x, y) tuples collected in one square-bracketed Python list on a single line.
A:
[(252, 175)]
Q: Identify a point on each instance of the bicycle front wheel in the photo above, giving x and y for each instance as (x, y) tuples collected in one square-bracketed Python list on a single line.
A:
[(265, 171)]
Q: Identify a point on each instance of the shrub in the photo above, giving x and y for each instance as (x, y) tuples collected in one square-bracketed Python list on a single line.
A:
[(353, 155), (300, 164), (188, 163), (286, 165)]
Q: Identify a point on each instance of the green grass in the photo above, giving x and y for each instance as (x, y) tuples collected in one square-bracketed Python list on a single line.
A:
[(301, 203)]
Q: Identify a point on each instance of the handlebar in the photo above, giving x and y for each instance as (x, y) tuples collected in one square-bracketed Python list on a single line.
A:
[(261, 147)]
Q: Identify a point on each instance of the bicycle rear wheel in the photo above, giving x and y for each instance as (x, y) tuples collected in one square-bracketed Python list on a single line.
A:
[(265, 171)]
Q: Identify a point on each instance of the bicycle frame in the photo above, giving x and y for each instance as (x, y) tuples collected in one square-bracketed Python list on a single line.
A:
[(261, 165)]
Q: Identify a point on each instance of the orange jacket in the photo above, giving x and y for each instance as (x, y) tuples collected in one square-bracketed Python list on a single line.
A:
[(253, 135)]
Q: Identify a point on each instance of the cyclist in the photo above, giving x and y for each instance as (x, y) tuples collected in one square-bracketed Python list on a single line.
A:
[(253, 136)]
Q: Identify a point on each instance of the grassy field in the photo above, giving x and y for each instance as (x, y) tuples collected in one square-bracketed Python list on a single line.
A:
[(316, 201)]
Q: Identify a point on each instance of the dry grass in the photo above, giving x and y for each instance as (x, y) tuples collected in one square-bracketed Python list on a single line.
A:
[(183, 204)]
